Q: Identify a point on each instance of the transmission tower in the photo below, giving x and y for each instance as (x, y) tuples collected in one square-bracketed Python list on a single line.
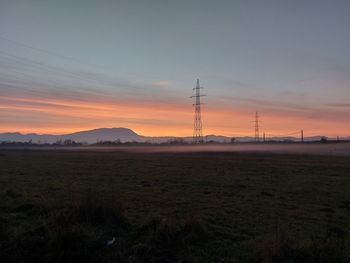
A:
[(257, 136), (197, 127), (302, 135)]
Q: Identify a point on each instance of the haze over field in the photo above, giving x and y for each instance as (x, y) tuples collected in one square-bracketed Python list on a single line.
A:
[(68, 66)]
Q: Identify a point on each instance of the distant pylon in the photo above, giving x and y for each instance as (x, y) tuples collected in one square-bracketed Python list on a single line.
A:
[(302, 135), (256, 135), (197, 127)]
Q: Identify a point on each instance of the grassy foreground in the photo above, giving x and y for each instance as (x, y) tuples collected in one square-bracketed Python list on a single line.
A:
[(173, 207)]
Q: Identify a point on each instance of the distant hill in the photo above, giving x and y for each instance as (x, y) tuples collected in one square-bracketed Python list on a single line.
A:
[(124, 135), (91, 136), (105, 134)]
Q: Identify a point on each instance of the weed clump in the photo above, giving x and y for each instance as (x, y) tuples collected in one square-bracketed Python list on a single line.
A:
[(74, 233), (12, 194), (95, 210), (282, 248), (80, 232), (168, 239), (69, 244)]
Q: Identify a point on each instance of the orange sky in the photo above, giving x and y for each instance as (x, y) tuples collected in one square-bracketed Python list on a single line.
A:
[(59, 116)]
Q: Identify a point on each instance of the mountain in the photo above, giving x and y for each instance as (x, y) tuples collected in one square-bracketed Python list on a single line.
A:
[(105, 134), (91, 136), (125, 135)]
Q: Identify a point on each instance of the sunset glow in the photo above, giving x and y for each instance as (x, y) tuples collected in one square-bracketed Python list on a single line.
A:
[(59, 116)]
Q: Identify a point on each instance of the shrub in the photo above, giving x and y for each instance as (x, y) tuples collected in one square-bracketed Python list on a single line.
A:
[(315, 250), (94, 209), (167, 239)]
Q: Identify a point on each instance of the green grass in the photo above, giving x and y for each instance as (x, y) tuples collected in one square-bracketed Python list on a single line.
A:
[(173, 207)]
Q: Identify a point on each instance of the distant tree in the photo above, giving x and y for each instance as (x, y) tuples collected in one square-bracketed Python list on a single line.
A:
[(324, 139), (68, 142), (233, 140), (177, 141)]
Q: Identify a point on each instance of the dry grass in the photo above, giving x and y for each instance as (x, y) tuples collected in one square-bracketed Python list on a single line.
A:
[(283, 249), (48, 213)]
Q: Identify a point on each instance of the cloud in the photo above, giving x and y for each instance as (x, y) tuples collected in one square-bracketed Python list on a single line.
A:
[(288, 110), (307, 80), (161, 83), (20, 75), (340, 105), (41, 98), (261, 103)]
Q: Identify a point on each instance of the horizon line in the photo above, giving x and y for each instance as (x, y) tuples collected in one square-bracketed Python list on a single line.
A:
[(173, 136)]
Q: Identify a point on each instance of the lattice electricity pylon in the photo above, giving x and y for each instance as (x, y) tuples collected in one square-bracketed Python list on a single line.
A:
[(197, 127), (257, 135)]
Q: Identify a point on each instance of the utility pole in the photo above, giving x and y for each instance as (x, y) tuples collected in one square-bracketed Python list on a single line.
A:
[(302, 135), (264, 138), (197, 127), (256, 135)]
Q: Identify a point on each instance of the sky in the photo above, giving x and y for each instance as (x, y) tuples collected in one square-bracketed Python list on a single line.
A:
[(68, 66)]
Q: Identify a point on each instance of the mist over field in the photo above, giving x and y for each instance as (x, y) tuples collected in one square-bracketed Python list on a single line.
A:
[(329, 149)]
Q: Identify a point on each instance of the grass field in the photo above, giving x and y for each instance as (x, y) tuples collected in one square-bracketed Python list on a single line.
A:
[(64, 206)]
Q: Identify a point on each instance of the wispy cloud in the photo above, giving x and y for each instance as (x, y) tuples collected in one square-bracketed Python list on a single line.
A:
[(41, 98), (338, 105), (161, 83)]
